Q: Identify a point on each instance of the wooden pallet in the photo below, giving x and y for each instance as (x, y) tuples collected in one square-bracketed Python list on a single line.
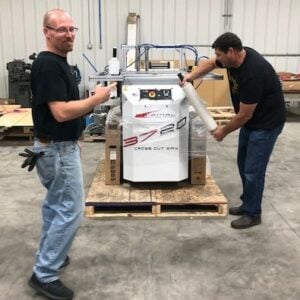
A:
[(154, 200), (222, 114), (16, 122), (94, 138), (24, 132)]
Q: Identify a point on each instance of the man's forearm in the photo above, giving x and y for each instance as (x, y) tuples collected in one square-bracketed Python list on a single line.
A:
[(234, 124), (203, 68), (65, 111)]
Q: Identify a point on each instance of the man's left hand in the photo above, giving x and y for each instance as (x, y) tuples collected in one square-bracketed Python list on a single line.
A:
[(219, 133)]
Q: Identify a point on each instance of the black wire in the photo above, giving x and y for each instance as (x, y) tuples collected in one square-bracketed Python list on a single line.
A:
[(198, 84), (184, 46), (135, 59)]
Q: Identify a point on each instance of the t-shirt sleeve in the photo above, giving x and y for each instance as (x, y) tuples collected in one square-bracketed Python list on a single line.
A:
[(51, 87)]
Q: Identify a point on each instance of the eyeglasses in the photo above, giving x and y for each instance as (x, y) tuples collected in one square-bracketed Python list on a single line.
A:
[(63, 30)]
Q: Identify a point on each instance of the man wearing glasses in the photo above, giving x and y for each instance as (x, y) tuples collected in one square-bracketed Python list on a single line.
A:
[(57, 115)]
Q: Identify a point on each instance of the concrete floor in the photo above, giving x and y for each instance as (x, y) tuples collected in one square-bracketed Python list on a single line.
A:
[(160, 259)]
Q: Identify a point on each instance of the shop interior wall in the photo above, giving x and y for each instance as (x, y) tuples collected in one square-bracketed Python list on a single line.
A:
[(270, 26)]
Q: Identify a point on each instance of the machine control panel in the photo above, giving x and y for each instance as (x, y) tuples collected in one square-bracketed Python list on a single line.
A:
[(156, 94)]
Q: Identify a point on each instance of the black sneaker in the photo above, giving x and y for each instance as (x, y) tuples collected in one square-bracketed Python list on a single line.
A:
[(236, 211), (65, 263), (245, 222), (53, 290)]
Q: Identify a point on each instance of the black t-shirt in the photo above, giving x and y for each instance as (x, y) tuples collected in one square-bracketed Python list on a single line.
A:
[(256, 81), (52, 80)]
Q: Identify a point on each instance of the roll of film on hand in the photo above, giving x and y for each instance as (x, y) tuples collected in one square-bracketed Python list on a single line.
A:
[(198, 105)]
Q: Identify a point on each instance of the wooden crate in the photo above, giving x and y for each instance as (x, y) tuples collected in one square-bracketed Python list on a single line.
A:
[(154, 200)]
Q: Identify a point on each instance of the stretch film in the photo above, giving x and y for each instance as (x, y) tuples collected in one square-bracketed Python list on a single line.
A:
[(199, 107)]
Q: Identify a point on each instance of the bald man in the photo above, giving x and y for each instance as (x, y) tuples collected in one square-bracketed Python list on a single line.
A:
[(57, 115)]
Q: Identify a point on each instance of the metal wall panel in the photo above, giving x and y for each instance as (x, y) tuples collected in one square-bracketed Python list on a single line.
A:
[(273, 28), (270, 26)]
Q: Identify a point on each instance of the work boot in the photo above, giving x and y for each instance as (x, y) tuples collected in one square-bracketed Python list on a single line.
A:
[(246, 222), (65, 263), (54, 290), (236, 211)]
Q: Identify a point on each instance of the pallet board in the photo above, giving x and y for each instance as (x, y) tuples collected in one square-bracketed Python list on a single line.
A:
[(222, 114), (94, 138), (16, 117), (6, 108), (154, 200), (16, 122)]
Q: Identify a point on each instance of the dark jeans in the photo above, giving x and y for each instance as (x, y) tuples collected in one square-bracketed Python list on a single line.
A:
[(254, 151)]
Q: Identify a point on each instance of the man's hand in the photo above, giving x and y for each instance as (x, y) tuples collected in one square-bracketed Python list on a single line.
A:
[(219, 133), (186, 78), (103, 92), (31, 158)]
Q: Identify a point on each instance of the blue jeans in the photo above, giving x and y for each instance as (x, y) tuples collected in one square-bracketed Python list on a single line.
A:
[(60, 172), (254, 151)]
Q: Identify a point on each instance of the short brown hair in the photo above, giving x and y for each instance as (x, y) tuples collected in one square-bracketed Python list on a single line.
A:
[(228, 40)]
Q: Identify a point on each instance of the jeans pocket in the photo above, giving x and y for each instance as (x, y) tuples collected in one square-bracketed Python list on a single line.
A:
[(46, 164), (66, 148)]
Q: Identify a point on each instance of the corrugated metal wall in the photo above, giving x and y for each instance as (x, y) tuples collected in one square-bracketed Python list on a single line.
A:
[(270, 26)]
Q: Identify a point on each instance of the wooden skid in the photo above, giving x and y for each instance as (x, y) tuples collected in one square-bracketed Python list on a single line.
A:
[(222, 115), (222, 122), (16, 122), (154, 200), (94, 138), (138, 210), (17, 132)]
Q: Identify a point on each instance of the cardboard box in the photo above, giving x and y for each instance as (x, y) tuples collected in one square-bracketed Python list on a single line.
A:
[(198, 170), (197, 151), (112, 154), (197, 138), (215, 92)]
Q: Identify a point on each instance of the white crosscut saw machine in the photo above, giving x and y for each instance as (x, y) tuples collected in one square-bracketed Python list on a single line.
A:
[(155, 120)]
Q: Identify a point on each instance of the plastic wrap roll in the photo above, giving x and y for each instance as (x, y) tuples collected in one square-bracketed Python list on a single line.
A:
[(199, 107)]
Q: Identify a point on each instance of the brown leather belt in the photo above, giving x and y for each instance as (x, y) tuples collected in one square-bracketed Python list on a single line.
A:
[(46, 141)]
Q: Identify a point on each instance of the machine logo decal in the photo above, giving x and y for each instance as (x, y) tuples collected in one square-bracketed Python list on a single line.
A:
[(145, 114), (155, 114), (133, 140)]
